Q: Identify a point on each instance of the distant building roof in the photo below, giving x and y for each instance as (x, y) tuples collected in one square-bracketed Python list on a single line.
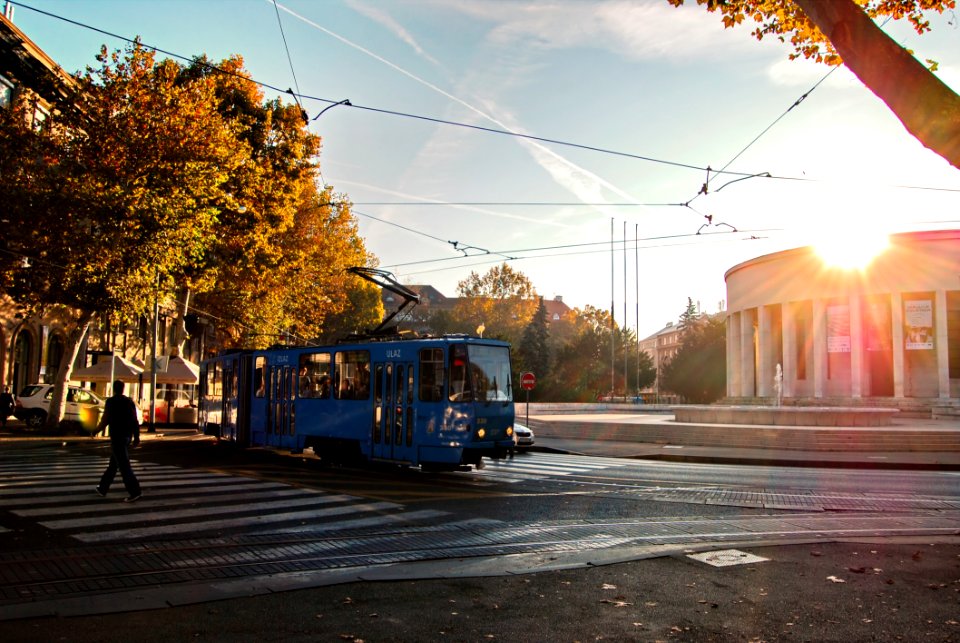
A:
[(556, 309)]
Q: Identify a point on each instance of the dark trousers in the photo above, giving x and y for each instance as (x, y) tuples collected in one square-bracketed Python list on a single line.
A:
[(119, 459)]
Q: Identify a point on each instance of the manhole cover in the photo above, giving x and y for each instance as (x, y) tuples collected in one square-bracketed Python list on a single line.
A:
[(727, 558)]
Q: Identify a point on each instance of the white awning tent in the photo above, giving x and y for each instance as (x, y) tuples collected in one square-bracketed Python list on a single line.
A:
[(173, 370), (103, 371)]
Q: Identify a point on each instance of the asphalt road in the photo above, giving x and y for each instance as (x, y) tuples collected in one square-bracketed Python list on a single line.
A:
[(843, 592), (888, 589)]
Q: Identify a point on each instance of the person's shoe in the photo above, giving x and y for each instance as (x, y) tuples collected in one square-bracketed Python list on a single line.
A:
[(133, 498), (99, 493)]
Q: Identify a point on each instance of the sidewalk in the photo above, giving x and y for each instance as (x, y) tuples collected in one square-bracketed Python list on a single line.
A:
[(924, 461), (920, 444)]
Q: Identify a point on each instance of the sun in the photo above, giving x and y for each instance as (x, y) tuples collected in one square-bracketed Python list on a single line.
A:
[(852, 249)]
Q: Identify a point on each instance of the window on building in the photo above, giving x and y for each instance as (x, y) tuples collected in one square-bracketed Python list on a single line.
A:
[(6, 92), (40, 115)]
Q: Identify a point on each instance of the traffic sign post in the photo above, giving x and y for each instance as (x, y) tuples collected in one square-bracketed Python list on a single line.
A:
[(527, 381)]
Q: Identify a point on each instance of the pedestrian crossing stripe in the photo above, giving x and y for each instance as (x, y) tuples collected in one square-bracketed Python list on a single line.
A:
[(177, 502), (139, 533), (542, 466)]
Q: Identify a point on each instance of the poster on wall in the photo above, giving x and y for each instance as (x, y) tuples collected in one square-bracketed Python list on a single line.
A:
[(838, 329), (918, 319)]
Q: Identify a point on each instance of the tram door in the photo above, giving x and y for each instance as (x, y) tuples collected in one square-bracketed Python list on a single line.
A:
[(281, 423), (244, 392), (394, 415)]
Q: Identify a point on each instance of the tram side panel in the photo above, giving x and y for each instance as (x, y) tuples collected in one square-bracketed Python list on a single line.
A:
[(411, 402)]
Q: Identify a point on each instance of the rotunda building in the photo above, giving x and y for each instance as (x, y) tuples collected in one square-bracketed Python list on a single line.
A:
[(887, 330)]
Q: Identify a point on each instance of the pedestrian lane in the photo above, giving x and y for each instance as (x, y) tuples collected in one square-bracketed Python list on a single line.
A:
[(538, 466), (54, 487)]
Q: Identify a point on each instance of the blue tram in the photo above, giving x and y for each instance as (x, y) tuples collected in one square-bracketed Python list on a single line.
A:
[(439, 402)]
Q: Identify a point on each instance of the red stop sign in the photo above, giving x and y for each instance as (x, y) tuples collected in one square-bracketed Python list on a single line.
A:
[(528, 381)]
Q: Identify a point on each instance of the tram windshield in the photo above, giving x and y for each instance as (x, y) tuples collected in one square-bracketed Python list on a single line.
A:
[(480, 373)]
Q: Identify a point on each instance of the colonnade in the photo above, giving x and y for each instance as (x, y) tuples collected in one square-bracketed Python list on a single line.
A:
[(887, 345)]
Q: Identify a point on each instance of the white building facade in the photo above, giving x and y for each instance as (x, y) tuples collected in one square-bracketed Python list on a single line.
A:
[(889, 330)]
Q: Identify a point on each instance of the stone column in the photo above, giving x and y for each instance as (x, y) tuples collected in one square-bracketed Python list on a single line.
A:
[(856, 346), (819, 347), (896, 328), (789, 350), (733, 355), (942, 344), (747, 354), (766, 365)]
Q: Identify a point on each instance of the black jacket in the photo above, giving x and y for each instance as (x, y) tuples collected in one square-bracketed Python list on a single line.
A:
[(120, 413)]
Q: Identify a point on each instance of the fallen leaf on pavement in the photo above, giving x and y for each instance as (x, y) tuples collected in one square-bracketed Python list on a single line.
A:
[(616, 603), (834, 579), (608, 586)]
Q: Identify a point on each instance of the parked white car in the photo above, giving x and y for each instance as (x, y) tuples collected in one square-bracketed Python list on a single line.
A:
[(523, 435), (83, 407)]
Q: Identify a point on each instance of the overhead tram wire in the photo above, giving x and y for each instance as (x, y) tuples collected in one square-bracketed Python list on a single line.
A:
[(293, 73), (457, 245), (377, 110), (520, 251), (347, 103)]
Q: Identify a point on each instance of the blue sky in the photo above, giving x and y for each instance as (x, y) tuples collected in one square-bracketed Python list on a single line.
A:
[(640, 78)]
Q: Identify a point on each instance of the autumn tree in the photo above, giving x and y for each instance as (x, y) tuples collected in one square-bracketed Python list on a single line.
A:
[(113, 195), (844, 31), (503, 300)]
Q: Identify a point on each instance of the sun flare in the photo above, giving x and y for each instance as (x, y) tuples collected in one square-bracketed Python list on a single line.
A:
[(852, 250)]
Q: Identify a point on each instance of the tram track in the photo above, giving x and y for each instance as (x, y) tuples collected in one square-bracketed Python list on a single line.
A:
[(56, 575)]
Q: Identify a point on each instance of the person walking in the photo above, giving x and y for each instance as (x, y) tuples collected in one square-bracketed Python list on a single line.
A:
[(6, 405), (120, 414)]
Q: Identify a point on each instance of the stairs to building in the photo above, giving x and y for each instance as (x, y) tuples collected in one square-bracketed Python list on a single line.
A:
[(906, 438)]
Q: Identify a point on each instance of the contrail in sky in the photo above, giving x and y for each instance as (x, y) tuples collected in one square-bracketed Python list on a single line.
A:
[(540, 151), (468, 208)]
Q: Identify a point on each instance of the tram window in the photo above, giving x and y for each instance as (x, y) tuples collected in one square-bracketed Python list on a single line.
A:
[(259, 377), (460, 390), (213, 380), (352, 378), (431, 374), (490, 373), (314, 375), (410, 385)]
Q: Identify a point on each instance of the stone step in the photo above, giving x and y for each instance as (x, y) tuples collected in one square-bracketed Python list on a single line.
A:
[(762, 437)]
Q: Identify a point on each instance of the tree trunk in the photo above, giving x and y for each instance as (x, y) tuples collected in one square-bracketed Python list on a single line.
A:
[(71, 350), (180, 334), (927, 107)]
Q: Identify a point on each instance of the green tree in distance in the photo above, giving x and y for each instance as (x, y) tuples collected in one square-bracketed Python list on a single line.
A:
[(844, 31), (533, 354), (698, 372)]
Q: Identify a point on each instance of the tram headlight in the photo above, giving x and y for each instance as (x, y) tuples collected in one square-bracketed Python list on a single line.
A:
[(481, 433)]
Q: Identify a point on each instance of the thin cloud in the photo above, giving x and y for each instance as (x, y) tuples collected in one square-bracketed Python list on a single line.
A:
[(398, 30), (650, 30), (558, 167)]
